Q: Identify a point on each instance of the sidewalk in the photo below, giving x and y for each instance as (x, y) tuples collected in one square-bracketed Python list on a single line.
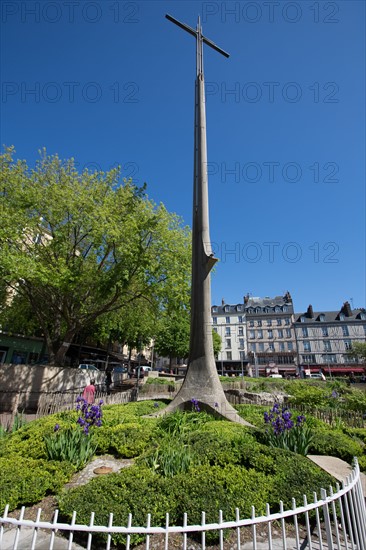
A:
[(337, 468)]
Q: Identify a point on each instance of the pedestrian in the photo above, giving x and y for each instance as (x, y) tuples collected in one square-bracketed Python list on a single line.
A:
[(108, 381), (89, 393)]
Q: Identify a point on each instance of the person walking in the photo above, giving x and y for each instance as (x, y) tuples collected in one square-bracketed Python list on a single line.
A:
[(89, 392)]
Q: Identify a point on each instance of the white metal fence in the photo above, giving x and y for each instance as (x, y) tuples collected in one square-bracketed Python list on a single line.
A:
[(336, 521)]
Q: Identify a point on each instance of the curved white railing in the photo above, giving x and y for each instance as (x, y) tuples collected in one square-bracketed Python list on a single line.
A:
[(338, 523)]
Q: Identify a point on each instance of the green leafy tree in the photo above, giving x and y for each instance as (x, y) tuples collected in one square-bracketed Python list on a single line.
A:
[(172, 338), (358, 351), (80, 246), (216, 343)]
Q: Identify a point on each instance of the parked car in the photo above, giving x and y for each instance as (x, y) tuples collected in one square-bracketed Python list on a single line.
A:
[(86, 366), (275, 376)]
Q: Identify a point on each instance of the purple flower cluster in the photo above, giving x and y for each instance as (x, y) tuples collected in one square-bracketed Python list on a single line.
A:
[(195, 405), (90, 415), (280, 419)]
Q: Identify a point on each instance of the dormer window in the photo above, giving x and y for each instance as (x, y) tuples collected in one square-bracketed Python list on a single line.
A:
[(239, 308), (285, 308), (257, 309), (322, 317), (227, 309), (363, 316), (214, 309), (302, 319), (277, 309), (341, 317)]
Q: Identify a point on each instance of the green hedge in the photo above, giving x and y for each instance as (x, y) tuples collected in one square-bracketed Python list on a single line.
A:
[(26, 481), (125, 440)]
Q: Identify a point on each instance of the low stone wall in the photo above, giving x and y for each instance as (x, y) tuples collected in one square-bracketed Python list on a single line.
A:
[(22, 385)]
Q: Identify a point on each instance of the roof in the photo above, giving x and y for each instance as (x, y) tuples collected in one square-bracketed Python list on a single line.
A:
[(329, 317), (254, 302)]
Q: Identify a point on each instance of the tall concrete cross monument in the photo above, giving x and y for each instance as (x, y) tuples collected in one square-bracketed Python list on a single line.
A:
[(202, 382)]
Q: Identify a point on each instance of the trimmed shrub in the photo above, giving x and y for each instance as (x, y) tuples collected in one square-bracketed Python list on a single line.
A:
[(335, 443), (135, 490), (124, 440), (221, 443), (26, 481), (212, 488)]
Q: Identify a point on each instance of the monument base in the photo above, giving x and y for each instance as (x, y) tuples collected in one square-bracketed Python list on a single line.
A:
[(202, 390)]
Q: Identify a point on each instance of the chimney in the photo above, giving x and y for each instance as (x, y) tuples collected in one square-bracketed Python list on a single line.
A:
[(346, 309), (288, 297), (223, 302), (246, 299), (310, 312)]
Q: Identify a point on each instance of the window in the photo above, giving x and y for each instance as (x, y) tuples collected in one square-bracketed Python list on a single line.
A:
[(251, 323), (239, 308), (309, 358), (270, 333), (363, 316), (285, 308), (327, 346), (364, 328), (325, 331), (214, 309), (227, 309), (259, 323), (241, 343), (228, 355), (282, 346), (307, 346), (288, 333), (215, 329), (240, 319), (240, 331), (280, 333), (271, 346), (305, 333), (345, 331), (277, 309), (251, 334), (242, 355), (228, 320), (253, 346), (227, 331), (289, 346), (302, 319), (287, 321), (279, 322), (228, 343), (347, 344), (261, 346), (341, 317), (322, 318), (331, 358), (269, 322), (214, 320), (260, 333)]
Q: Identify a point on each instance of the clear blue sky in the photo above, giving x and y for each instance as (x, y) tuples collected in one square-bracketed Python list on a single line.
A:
[(113, 83)]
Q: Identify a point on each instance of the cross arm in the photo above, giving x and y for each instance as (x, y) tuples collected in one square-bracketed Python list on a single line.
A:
[(194, 33)]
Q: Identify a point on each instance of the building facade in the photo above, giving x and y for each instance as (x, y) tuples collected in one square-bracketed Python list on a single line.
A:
[(270, 334), (263, 336), (229, 323), (324, 338)]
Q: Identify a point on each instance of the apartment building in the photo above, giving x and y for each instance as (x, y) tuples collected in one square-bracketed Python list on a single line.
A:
[(325, 337), (229, 322), (257, 334)]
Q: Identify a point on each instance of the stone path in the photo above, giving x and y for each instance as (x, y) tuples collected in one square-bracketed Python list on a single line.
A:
[(337, 468)]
